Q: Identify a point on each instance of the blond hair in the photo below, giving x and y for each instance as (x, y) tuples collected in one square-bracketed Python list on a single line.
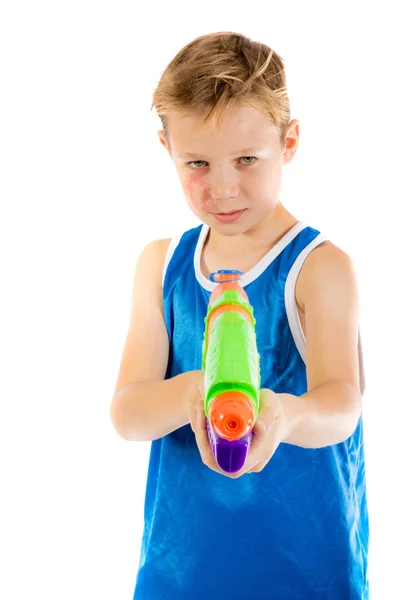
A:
[(217, 70)]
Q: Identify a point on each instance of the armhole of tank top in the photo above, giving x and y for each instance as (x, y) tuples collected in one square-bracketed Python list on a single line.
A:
[(171, 249), (290, 297)]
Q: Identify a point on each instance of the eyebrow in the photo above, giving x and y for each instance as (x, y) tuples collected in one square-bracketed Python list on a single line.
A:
[(244, 152)]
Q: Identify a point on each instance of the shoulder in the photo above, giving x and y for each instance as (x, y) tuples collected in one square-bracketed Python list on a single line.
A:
[(151, 259), (161, 246), (329, 297), (158, 250), (326, 265)]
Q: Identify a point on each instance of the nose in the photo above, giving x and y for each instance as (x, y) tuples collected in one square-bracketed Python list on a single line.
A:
[(223, 183)]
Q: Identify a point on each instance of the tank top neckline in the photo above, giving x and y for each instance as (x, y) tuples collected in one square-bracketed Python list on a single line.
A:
[(258, 268)]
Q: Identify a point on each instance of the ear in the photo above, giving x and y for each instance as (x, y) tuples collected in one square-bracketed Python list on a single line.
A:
[(164, 140), (292, 141)]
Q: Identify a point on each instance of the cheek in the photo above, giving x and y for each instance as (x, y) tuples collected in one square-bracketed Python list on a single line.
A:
[(194, 189), (205, 199)]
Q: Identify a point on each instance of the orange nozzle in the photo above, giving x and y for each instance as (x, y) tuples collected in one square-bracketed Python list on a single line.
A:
[(227, 286), (232, 415)]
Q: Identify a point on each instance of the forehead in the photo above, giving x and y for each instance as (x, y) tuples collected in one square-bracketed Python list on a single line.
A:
[(238, 123)]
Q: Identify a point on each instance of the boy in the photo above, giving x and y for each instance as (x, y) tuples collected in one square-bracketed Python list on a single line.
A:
[(293, 523)]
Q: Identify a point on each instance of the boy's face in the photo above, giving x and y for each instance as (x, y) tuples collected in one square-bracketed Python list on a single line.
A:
[(233, 167)]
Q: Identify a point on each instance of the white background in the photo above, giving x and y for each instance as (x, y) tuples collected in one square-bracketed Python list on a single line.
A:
[(85, 185)]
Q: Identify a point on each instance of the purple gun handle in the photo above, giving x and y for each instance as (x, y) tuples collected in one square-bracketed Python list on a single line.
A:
[(229, 455)]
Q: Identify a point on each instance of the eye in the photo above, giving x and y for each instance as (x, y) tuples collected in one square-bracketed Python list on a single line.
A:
[(197, 164), (253, 159), (194, 162)]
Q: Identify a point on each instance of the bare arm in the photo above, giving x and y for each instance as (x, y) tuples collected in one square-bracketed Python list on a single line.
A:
[(148, 410), (329, 412), (146, 407)]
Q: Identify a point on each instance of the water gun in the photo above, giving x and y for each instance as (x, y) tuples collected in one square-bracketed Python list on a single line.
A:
[(231, 365)]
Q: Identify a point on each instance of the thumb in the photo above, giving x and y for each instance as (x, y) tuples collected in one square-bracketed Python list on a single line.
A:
[(268, 414)]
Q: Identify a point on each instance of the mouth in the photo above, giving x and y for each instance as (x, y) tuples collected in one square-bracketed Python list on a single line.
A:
[(229, 217)]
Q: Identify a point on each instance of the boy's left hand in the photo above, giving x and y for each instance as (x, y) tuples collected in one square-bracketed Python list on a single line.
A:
[(268, 432)]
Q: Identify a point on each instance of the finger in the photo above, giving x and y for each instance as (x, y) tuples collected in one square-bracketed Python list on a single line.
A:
[(192, 417), (262, 445), (199, 428), (264, 456), (202, 435), (193, 410), (203, 444), (258, 467)]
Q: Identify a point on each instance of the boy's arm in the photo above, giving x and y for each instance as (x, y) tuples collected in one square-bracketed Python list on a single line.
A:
[(145, 406), (329, 412)]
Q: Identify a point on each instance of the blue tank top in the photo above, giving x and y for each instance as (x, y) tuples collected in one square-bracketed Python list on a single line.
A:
[(298, 530)]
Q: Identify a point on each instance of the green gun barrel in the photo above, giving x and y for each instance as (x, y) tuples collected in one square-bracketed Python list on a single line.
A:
[(231, 365)]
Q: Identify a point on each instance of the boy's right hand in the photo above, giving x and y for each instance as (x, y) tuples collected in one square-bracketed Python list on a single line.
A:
[(198, 421)]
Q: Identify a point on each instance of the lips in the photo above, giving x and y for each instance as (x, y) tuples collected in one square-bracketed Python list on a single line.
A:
[(228, 217)]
